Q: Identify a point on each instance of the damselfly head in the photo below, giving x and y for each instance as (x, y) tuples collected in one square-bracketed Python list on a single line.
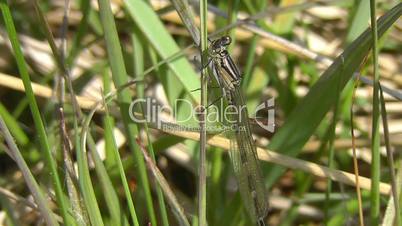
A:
[(225, 40), (219, 45)]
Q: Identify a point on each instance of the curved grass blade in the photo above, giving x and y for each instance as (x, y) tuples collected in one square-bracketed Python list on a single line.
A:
[(87, 187), (116, 156)]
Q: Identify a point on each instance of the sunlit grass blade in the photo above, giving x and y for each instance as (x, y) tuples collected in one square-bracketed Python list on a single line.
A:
[(359, 21), (163, 43)]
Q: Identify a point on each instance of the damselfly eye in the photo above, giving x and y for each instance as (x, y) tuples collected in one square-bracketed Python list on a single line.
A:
[(226, 40)]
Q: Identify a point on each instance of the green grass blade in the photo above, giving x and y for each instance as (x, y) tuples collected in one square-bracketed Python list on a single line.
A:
[(85, 7), (111, 198), (109, 136), (49, 36), (375, 130), (108, 190), (202, 168), (110, 96), (138, 60), (84, 178), (119, 75), (306, 116), (86, 184), (110, 149), (161, 201), (33, 186), (248, 68), (390, 158), (50, 162), (162, 41), (138, 56), (359, 20), (331, 148), (123, 177), (233, 10)]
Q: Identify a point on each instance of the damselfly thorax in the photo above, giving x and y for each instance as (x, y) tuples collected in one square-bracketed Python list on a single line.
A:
[(226, 71)]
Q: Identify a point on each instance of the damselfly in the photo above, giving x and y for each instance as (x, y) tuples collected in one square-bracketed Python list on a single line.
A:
[(243, 151)]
